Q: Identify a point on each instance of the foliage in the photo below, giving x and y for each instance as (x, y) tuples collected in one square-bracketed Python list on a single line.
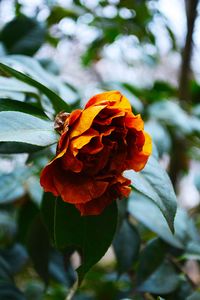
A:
[(153, 241)]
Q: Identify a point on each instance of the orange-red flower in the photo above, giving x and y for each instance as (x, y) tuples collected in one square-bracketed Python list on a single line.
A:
[(96, 145)]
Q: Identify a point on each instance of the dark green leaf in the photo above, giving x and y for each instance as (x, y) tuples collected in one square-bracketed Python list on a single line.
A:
[(7, 229), (11, 185), (56, 101), (194, 296), (58, 13), (38, 247), (14, 85), (5, 271), (154, 183), (24, 128), (91, 235), (14, 147), (60, 268), (9, 292), (33, 69), (126, 246), (13, 105), (160, 136), (16, 257), (33, 234), (23, 35), (148, 213), (163, 281), (151, 258)]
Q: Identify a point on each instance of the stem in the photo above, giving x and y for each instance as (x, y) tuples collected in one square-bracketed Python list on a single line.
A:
[(72, 291), (191, 12)]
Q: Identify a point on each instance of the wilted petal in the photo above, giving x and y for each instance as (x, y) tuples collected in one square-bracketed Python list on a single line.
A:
[(75, 189)]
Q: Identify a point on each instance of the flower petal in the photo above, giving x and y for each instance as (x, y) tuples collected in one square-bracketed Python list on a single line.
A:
[(111, 99), (96, 206), (82, 140), (70, 162), (76, 189), (137, 158), (85, 120), (135, 122), (47, 179)]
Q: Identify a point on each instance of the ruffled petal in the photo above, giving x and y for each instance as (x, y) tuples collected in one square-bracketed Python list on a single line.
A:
[(74, 116), (138, 156), (112, 99), (70, 162), (134, 122), (119, 187), (47, 179), (96, 206), (82, 140), (76, 189)]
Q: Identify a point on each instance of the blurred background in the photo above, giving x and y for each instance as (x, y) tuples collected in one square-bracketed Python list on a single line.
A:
[(149, 50)]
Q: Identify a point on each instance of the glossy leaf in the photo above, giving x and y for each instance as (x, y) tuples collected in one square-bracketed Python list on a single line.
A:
[(13, 105), (151, 258), (8, 291), (24, 128), (33, 234), (148, 213), (163, 281), (15, 147), (12, 185), (14, 85), (194, 296), (56, 101), (16, 257), (154, 183), (91, 235), (23, 35), (126, 246), (33, 68)]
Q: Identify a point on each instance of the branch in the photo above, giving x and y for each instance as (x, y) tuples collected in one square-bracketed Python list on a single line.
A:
[(191, 12), (72, 291)]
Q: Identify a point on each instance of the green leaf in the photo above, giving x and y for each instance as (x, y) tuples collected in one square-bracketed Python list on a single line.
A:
[(126, 246), (151, 258), (24, 128), (194, 296), (192, 251), (163, 281), (13, 105), (5, 271), (33, 68), (59, 12), (57, 102), (7, 230), (9, 292), (14, 85), (148, 213), (34, 235), (12, 185), (16, 257), (14, 147), (91, 235), (38, 246), (23, 35), (145, 211), (154, 183), (160, 136)]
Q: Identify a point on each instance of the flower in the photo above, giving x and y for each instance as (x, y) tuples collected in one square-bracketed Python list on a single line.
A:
[(96, 145)]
